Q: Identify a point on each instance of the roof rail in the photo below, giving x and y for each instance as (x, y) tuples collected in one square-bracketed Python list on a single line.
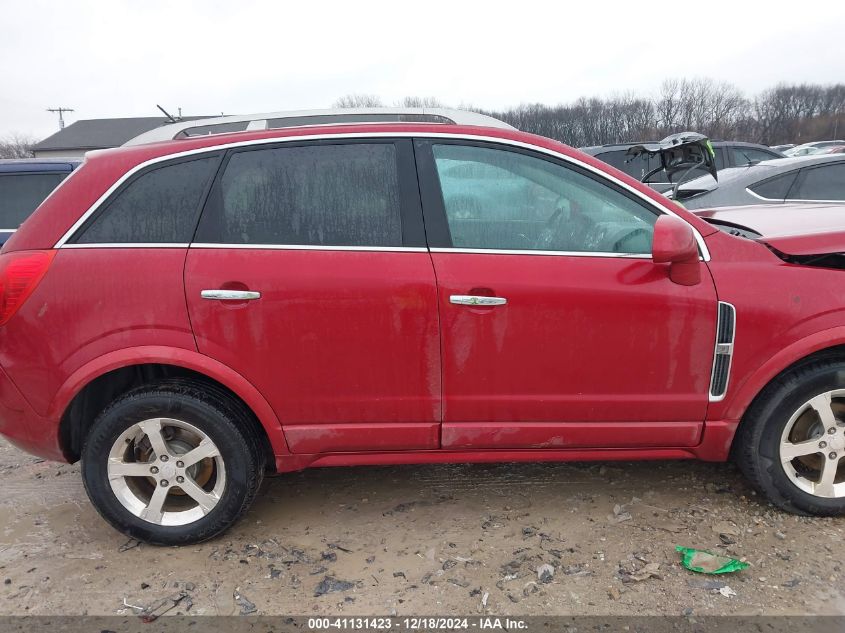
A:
[(301, 118)]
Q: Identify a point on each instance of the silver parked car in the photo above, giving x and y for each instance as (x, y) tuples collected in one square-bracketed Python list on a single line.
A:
[(818, 178), (811, 148)]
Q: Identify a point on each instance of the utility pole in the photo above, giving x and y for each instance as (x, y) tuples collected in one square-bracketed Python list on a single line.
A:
[(60, 111)]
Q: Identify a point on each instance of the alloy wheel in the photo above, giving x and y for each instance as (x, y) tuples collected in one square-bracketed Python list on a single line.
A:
[(812, 445), (166, 471)]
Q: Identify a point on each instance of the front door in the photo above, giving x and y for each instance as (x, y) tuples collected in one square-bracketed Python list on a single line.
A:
[(310, 277), (558, 331)]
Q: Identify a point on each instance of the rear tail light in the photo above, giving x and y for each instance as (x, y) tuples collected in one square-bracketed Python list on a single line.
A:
[(20, 273)]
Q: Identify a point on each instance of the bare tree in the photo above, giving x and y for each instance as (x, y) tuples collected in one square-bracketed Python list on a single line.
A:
[(16, 146), (785, 113), (358, 101), (420, 102)]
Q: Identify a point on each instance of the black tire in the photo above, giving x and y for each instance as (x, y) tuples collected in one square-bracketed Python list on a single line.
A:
[(206, 407), (756, 450)]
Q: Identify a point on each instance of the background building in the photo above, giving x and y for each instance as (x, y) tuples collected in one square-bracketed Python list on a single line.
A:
[(90, 134)]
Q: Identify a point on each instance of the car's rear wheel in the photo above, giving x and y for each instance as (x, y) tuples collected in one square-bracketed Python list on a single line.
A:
[(172, 463), (792, 441)]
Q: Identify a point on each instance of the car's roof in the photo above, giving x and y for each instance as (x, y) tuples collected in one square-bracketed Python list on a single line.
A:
[(820, 143), (310, 118), (227, 139), (609, 147), (763, 169), (790, 162), (746, 144), (35, 165)]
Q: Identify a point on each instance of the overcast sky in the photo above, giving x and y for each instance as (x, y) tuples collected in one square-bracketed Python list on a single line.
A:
[(119, 58)]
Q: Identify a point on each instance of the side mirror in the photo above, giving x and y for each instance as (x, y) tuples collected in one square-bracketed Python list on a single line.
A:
[(674, 244)]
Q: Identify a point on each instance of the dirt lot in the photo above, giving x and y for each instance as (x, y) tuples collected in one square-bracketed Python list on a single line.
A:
[(435, 540)]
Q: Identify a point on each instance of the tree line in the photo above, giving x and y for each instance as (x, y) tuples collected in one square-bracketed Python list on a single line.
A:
[(786, 113), (16, 146)]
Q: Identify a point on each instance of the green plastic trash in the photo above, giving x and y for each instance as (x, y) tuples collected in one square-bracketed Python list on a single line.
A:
[(707, 563)]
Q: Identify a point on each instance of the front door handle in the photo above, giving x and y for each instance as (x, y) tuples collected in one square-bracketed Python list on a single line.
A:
[(475, 300), (230, 295)]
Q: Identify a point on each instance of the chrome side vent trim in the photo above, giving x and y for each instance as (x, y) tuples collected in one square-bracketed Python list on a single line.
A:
[(725, 331)]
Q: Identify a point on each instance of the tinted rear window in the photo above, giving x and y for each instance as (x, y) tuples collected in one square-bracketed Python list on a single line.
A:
[(159, 206), (775, 188), (821, 183), (20, 195), (320, 195)]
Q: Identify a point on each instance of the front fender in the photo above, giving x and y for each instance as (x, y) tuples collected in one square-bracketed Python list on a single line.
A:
[(736, 404), (187, 359)]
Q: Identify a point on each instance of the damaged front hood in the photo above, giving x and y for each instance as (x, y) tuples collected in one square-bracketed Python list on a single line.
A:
[(792, 229)]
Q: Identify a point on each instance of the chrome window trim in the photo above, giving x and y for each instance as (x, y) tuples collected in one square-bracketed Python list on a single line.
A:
[(503, 251), (262, 247), (791, 200), (723, 349), (759, 197), (308, 247), (705, 253), (128, 245)]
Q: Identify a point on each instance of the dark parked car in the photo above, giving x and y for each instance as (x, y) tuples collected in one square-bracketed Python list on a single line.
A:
[(728, 154), (819, 178), (24, 183)]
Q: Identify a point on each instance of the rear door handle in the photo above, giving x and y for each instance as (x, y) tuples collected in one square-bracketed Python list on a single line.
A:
[(475, 300), (230, 295)]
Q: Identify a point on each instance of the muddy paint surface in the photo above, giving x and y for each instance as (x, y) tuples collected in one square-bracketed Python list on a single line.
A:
[(533, 538)]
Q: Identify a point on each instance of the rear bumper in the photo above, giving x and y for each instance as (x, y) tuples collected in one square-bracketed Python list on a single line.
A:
[(21, 426)]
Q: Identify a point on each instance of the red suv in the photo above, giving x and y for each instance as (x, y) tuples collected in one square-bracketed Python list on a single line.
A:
[(190, 315)]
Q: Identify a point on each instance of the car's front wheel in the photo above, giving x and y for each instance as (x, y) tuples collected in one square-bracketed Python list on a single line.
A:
[(172, 463), (792, 441)]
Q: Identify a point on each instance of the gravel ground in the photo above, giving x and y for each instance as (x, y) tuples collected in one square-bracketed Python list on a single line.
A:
[(435, 540)]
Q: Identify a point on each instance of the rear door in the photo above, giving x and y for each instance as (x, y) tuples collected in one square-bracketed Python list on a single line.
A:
[(558, 329), (309, 276)]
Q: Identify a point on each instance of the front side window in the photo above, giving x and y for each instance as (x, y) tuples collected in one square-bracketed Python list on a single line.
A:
[(320, 195), (20, 195), (500, 199), (159, 207), (820, 183)]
